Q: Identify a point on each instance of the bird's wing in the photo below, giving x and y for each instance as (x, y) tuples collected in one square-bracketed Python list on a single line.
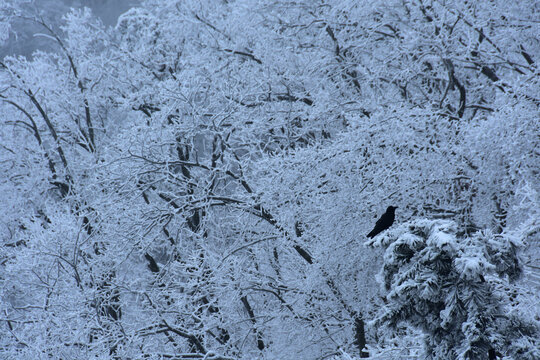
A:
[(381, 221)]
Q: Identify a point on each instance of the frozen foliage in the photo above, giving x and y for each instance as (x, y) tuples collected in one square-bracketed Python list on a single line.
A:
[(197, 181), (452, 288), (22, 37)]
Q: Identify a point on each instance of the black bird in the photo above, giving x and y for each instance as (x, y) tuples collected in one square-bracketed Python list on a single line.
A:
[(385, 221), (152, 265)]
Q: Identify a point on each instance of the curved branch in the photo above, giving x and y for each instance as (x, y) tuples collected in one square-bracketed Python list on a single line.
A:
[(35, 132), (90, 136)]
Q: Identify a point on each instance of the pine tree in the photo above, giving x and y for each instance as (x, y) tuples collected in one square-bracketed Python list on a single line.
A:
[(452, 289)]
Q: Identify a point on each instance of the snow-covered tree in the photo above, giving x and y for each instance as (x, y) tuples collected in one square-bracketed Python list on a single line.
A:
[(452, 288), (196, 179)]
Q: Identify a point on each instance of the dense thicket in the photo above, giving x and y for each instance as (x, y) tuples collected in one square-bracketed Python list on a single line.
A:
[(198, 180)]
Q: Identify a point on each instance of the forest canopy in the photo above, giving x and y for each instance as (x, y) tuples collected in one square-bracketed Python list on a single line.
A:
[(197, 181)]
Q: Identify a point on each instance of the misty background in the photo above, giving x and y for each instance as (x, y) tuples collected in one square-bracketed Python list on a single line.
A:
[(23, 39)]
